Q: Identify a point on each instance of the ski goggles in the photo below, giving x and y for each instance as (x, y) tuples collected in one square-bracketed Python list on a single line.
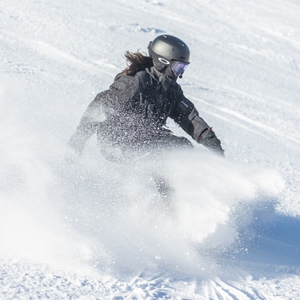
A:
[(179, 67)]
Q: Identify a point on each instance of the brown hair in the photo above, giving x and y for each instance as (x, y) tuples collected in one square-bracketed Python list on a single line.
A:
[(136, 62)]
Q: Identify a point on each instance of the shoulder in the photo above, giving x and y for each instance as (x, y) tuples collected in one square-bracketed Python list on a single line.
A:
[(130, 85), (122, 82), (144, 79), (141, 77)]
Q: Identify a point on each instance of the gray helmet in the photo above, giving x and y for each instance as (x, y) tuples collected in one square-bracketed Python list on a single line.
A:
[(167, 48)]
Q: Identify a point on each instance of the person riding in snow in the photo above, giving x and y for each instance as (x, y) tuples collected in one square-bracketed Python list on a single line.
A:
[(131, 115)]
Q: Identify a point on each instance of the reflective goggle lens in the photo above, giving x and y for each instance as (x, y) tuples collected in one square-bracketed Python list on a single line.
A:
[(179, 67)]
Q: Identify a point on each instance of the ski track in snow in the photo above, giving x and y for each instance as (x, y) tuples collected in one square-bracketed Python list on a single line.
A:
[(95, 230)]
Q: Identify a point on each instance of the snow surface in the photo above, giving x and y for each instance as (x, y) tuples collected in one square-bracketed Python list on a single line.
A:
[(98, 230)]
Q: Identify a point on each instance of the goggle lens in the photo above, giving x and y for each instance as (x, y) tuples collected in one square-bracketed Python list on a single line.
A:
[(179, 67)]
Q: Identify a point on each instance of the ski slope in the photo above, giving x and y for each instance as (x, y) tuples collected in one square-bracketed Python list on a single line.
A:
[(98, 230)]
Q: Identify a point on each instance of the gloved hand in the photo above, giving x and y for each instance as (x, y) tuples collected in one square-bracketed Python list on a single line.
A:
[(209, 140)]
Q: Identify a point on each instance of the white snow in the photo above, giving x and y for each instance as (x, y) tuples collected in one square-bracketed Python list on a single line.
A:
[(99, 230)]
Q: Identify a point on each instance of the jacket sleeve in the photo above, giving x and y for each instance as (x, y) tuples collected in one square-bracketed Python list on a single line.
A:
[(186, 115), (88, 124), (113, 102)]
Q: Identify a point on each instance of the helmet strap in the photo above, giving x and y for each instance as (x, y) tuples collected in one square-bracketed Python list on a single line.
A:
[(163, 69)]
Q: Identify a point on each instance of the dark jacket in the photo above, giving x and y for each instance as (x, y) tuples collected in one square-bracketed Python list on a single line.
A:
[(134, 110)]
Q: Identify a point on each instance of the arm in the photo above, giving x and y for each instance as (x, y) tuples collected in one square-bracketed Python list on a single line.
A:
[(109, 103), (187, 116), (88, 124)]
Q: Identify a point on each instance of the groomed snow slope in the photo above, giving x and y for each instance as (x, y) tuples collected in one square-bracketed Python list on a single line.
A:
[(99, 230)]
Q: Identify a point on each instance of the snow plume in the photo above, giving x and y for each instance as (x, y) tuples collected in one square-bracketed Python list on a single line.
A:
[(131, 226)]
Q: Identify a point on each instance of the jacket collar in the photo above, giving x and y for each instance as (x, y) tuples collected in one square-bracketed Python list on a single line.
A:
[(164, 79)]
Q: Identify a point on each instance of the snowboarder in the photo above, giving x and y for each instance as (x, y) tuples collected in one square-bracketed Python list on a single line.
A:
[(131, 115)]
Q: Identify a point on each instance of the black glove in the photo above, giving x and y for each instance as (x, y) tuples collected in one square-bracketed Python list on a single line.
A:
[(209, 140)]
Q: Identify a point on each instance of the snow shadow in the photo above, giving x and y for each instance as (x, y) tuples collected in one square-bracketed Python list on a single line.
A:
[(272, 239)]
